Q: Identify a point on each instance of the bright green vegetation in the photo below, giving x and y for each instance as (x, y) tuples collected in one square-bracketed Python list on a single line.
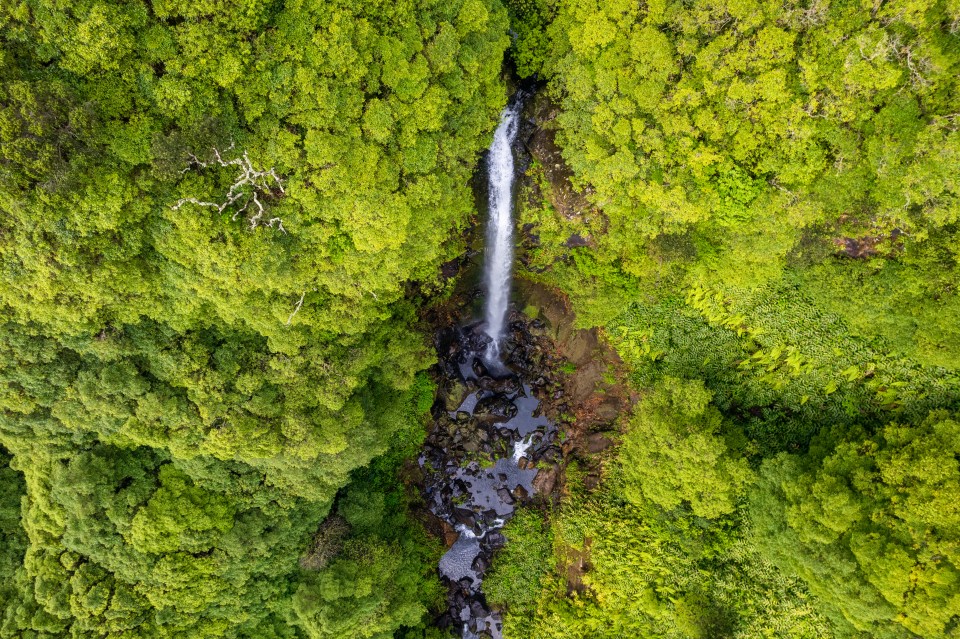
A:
[(827, 498), (375, 567), (772, 225), (717, 136), (218, 221), (523, 563), (872, 525), (676, 428), (904, 304), (635, 570)]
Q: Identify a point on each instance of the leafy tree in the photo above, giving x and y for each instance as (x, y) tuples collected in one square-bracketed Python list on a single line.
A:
[(630, 569), (674, 452), (381, 580), (528, 21), (217, 222), (370, 591), (521, 567), (767, 204), (872, 526), (13, 542), (723, 141)]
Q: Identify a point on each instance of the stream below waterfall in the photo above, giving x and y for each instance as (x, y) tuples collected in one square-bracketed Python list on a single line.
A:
[(480, 459)]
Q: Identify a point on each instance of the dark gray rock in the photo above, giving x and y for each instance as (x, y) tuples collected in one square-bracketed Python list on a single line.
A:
[(504, 385), (495, 408)]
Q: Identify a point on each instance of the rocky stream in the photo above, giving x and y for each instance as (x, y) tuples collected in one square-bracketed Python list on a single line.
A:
[(481, 459)]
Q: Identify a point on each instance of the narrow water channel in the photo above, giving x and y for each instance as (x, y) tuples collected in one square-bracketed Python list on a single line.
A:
[(498, 254)]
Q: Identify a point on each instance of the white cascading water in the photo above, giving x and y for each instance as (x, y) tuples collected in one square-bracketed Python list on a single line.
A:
[(499, 257)]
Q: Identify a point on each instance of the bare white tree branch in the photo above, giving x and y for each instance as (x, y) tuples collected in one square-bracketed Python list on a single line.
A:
[(246, 189), (297, 309), (793, 196), (920, 68)]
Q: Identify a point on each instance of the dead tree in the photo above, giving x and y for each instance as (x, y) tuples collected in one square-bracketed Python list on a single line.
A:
[(247, 189), (297, 309)]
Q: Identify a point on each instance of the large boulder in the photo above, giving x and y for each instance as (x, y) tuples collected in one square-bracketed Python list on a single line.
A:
[(503, 385), (453, 394), (495, 408)]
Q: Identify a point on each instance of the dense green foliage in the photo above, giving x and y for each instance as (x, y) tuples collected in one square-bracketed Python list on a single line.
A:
[(770, 207), (378, 580), (217, 222), (733, 128), (672, 454), (528, 20), (522, 564), (632, 570), (13, 541), (873, 526), (220, 220)]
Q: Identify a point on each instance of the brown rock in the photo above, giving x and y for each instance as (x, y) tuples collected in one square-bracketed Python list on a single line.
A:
[(583, 382), (568, 202), (453, 395), (545, 481), (578, 564), (862, 247), (450, 269), (580, 346), (449, 534), (551, 309), (591, 481), (608, 410), (577, 241), (598, 442)]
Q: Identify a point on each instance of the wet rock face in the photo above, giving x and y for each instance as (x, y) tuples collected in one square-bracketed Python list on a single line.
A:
[(480, 458), (453, 394), (504, 385)]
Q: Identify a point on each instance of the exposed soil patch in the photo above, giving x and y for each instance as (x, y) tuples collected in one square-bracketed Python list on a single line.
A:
[(578, 564), (590, 392)]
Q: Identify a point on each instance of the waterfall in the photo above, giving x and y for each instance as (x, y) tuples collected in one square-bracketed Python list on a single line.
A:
[(499, 255)]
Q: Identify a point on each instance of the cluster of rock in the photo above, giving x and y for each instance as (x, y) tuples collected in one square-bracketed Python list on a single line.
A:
[(484, 456)]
